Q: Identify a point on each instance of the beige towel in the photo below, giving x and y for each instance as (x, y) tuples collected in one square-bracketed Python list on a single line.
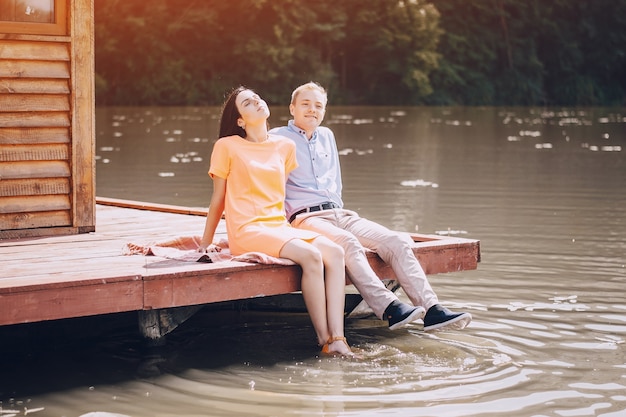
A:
[(185, 248)]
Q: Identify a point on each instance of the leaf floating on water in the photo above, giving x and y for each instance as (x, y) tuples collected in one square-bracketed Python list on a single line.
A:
[(543, 146), (450, 232), (419, 183), (612, 148), (531, 133)]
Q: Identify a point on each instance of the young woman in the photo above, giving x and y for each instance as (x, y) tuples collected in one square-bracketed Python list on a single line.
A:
[(249, 168)]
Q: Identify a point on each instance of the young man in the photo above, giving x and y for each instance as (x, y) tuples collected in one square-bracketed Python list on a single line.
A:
[(313, 202)]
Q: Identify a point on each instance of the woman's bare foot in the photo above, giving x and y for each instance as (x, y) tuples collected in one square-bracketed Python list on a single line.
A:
[(337, 346)]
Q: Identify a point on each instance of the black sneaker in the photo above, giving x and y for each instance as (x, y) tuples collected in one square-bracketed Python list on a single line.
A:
[(438, 316), (400, 314)]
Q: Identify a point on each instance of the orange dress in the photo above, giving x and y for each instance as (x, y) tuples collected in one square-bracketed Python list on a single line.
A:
[(254, 208)]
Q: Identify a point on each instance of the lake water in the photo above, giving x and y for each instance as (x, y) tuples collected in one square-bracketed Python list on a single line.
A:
[(543, 189)]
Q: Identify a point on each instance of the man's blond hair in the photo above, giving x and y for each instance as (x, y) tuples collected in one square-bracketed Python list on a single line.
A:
[(308, 86)]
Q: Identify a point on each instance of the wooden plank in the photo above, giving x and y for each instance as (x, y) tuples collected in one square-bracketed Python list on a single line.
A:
[(27, 204), (51, 152), (86, 271), (166, 208), (231, 282), (35, 135), (48, 51), (34, 119), (83, 114), (20, 187), (34, 169), (33, 86), (34, 69), (437, 255), (14, 221), (79, 301), (38, 233), (34, 37), (34, 102)]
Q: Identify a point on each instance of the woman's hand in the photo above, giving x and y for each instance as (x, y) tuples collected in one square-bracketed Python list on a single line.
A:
[(211, 248)]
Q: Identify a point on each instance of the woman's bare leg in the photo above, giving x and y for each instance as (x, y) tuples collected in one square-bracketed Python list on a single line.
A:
[(323, 288), (335, 283), (313, 286)]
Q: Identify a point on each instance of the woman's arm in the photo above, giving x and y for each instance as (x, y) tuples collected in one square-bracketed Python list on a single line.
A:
[(216, 208)]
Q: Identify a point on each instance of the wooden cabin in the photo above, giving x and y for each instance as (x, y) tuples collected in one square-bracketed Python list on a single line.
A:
[(47, 132)]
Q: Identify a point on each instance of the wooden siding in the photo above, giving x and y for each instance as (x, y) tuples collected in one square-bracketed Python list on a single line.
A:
[(30, 150), (47, 132)]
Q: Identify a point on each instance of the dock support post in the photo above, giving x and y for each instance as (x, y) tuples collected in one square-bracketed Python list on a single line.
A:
[(155, 324)]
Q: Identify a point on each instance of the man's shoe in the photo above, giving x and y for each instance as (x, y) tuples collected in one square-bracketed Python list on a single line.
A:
[(400, 314), (438, 316)]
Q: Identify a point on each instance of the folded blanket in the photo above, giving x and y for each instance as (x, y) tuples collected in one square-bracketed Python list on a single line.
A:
[(185, 248)]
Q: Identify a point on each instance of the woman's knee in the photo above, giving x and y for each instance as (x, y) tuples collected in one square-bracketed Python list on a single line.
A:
[(331, 251), (311, 257), (302, 253)]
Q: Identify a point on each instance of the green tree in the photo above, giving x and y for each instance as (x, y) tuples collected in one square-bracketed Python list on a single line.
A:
[(389, 51), (533, 52)]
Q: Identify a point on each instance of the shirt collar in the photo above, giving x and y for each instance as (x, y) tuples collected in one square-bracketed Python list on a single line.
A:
[(301, 132)]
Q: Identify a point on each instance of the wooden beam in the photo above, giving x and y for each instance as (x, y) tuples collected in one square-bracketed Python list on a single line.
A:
[(43, 219), (34, 102), (30, 152), (33, 135), (34, 119), (33, 187), (34, 51), (33, 86), (83, 129), (34, 169), (103, 297), (38, 203), (34, 69)]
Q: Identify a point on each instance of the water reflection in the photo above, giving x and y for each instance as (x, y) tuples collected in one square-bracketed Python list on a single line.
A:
[(543, 189)]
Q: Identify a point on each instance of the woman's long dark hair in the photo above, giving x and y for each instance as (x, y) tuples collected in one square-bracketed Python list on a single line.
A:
[(230, 115)]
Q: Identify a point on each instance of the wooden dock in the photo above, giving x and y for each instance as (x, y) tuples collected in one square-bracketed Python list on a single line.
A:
[(48, 278)]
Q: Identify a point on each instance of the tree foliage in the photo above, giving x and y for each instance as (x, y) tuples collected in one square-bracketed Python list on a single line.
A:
[(406, 52), (541, 52)]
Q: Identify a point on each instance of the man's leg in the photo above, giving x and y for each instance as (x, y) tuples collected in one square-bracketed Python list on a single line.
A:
[(395, 249), (369, 285)]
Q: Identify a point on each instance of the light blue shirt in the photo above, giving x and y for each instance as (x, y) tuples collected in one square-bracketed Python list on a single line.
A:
[(317, 179)]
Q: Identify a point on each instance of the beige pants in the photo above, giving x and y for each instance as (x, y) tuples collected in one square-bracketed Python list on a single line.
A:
[(354, 234)]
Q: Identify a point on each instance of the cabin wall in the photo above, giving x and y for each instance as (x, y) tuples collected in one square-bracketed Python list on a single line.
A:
[(47, 141)]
